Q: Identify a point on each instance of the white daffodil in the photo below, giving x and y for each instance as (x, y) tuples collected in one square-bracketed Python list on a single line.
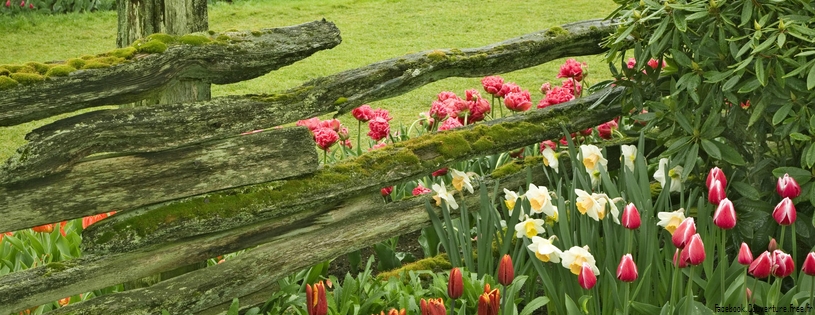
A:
[(529, 227), (461, 180), (675, 174), (574, 258), (629, 156), (510, 198), (442, 193), (593, 205), (544, 249), (541, 201), (671, 220), (592, 158), (550, 158), (612, 205), (595, 178)]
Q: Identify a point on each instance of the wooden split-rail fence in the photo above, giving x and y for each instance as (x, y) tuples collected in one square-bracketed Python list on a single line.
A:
[(188, 186)]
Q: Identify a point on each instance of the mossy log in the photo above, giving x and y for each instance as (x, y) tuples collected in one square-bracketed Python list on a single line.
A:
[(371, 171), (166, 126), (44, 284), (122, 182), (240, 56)]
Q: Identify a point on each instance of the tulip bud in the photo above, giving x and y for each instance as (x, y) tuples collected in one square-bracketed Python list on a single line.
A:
[(725, 215), (716, 174), (773, 245), (8, 3), (783, 265), (784, 212), (22, 3), (386, 191), (678, 261), (749, 294), (683, 233), (587, 279), (631, 217), (506, 272), (316, 303), (393, 311), (787, 187), (433, 307), (45, 228), (695, 250), (715, 193), (745, 256), (455, 285), (809, 264), (489, 301), (761, 266), (627, 270)]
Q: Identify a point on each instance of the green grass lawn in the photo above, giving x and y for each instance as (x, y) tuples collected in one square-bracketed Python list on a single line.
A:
[(371, 31)]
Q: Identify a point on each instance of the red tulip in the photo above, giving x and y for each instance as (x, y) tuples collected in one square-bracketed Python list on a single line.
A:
[(745, 256), (783, 265), (587, 279), (45, 228), (627, 270), (631, 217), (386, 191), (393, 311), (695, 251), (489, 301), (440, 172), (715, 192), (455, 285), (316, 303), (784, 212), (725, 215), (433, 307), (506, 272), (787, 187), (604, 131), (762, 266), (809, 264), (587, 131), (684, 232), (716, 174)]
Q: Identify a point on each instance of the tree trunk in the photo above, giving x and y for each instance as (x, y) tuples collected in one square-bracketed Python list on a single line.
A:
[(139, 18)]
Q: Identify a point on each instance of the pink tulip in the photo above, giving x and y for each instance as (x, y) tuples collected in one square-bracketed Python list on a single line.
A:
[(809, 264), (631, 217), (784, 212), (762, 266), (627, 270), (787, 187), (587, 279), (695, 251), (783, 265), (715, 192), (745, 255), (716, 174), (678, 261), (725, 215), (683, 233)]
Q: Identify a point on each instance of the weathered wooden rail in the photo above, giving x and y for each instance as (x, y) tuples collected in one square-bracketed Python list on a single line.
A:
[(278, 200)]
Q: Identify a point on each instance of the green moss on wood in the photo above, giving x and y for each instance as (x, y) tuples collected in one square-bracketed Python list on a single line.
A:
[(557, 31), (26, 69), (7, 82), (507, 169), (152, 47), (40, 68), (195, 40), (437, 55), (94, 64), (340, 101), (4, 71), (87, 57), (60, 71), (76, 63), (27, 78), (164, 38), (11, 68), (257, 33), (435, 264), (483, 143), (222, 38), (124, 53)]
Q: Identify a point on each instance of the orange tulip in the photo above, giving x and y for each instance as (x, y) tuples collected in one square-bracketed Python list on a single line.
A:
[(433, 307), (455, 285), (316, 303), (393, 311), (506, 272), (489, 301), (45, 228)]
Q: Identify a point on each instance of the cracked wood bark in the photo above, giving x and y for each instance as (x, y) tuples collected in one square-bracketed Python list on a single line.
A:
[(140, 18), (380, 168), (44, 284), (311, 236), (127, 181), (56, 146), (246, 56)]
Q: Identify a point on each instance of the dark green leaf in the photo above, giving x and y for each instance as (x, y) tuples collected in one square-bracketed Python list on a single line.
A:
[(799, 136), (681, 58), (781, 113), (760, 72), (749, 86), (658, 32), (731, 83), (746, 13), (782, 38), (729, 154), (745, 190), (690, 160), (679, 21), (711, 149), (811, 78), (716, 76), (766, 44), (678, 145), (683, 122)]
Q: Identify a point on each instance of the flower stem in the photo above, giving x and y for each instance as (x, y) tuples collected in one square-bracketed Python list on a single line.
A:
[(812, 292), (452, 306), (675, 280), (794, 252), (723, 262), (689, 296), (325, 157), (627, 299), (359, 137), (744, 291), (503, 298), (781, 241)]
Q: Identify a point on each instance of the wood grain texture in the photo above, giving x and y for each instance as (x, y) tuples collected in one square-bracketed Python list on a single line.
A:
[(126, 181)]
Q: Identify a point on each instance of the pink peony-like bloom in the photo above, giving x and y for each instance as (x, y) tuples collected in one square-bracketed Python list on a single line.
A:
[(445, 95), (421, 190), (571, 69), (441, 110), (587, 132), (440, 172), (563, 141), (450, 123), (508, 88), (363, 113), (604, 131), (333, 124), (378, 146), (478, 110), (382, 113), (311, 123), (570, 85), (386, 191), (546, 87), (347, 143), (556, 95), (548, 143), (632, 63), (492, 84), (379, 128), (325, 137), (613, 123), (472, 95), (518, 101)]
